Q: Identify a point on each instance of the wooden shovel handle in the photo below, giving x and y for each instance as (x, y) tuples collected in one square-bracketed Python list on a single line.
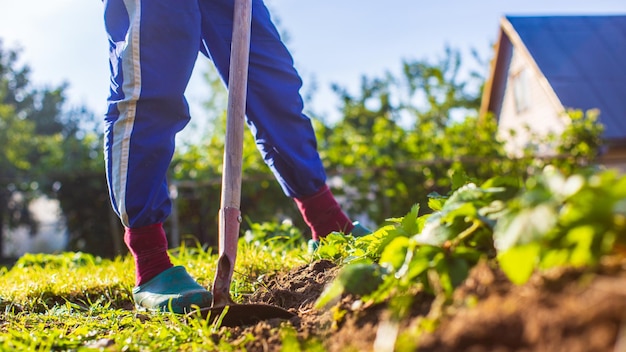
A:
[(230, 216)]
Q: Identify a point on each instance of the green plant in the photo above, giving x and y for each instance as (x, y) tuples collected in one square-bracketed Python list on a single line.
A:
[(279, 236), (561, 221), (549, 220), (432, 252)]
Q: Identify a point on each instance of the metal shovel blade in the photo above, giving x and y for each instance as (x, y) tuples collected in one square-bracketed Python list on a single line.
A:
[(232, 314), (243, 314)]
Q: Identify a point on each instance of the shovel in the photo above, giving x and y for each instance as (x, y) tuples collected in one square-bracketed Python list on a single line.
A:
[(223, 307)]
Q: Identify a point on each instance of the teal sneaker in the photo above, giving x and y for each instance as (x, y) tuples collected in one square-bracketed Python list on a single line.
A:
[(172, 291), (358, 231)]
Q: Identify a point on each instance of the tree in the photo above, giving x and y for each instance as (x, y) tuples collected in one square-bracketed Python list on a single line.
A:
[(15, 141), (434, 90), (392, 146), (388, 146), (399, 140), (19, 152), (44, 150)]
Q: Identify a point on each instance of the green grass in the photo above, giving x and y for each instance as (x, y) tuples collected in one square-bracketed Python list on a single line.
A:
[(74, 301)]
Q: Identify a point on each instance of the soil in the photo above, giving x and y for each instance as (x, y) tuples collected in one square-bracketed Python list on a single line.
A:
[(561, 310)]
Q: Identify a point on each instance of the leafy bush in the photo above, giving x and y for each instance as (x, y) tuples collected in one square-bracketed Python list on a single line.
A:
[(548, 221), (278, 236), (559, 221)]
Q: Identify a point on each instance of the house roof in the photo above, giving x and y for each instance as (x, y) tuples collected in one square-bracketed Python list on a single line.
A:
[(584, 60)]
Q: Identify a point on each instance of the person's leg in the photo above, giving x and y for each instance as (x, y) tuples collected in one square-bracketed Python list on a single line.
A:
[(284, 135), (153, 47)]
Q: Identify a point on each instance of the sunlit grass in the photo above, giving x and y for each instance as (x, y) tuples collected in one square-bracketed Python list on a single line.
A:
[(74, 301), (38, 282)]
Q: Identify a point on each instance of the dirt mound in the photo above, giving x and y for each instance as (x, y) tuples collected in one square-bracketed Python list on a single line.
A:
[(297, 289), (564, 310)]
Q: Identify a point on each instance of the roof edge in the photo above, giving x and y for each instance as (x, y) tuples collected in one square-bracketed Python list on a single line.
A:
[(507, 29)]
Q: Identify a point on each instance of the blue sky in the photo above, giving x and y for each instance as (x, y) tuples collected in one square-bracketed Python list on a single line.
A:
[(333, 41)]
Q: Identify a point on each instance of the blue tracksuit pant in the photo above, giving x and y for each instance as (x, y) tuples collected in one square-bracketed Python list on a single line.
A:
[(153, 48)]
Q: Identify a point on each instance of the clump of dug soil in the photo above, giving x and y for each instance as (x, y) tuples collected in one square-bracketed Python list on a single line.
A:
[(562, 310)]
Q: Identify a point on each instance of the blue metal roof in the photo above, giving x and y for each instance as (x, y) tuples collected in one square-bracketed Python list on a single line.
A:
[(584, 59)]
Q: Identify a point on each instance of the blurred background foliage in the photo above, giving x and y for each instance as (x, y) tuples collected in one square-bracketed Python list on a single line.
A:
[(399, 138)]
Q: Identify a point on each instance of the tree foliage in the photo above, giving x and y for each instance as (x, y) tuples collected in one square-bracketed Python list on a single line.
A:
[(45, 150), (400, 138), (24, 146), (398, 153)]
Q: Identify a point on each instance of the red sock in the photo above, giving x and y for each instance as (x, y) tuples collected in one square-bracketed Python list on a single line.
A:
[(323, 214), (148, 245)]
